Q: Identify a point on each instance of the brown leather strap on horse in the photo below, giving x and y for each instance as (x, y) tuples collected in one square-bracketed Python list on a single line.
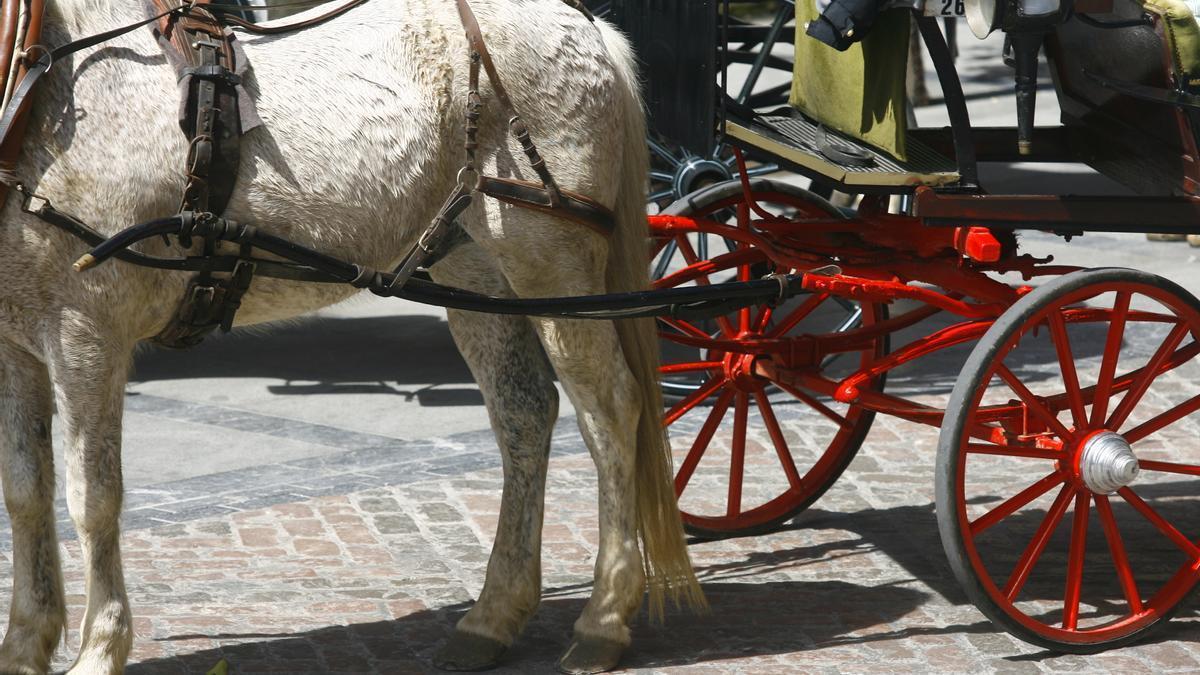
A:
[(549, 197), (212, 124), (11, 40)]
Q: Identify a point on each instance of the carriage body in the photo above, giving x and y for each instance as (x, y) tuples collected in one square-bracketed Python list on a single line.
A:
[(1017, 460), (1149, 146)]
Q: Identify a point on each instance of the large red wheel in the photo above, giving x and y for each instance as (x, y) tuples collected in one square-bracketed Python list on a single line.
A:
[(750, 453), (1069, 467)]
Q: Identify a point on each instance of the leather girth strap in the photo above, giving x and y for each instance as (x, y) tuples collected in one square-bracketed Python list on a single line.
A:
[(211, 122)]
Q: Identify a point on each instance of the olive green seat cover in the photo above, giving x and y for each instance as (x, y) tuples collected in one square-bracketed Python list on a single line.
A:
[(860, 92), (1183, 36)]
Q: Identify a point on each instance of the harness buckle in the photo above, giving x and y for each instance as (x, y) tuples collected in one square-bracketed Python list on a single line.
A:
[(25, 54), (34, 203), (214, 73)]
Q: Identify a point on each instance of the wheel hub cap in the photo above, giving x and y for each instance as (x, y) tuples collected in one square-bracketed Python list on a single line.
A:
[(697, 172), (1107, 463)]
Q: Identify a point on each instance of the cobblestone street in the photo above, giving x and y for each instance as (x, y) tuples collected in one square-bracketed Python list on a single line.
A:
[(370, 579), (362, 559)]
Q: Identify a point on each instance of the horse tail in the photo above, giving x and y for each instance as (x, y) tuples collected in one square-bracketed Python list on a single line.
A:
[(664, 551)]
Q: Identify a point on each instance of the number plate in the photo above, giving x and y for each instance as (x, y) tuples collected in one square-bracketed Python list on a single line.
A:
[(949, 9)]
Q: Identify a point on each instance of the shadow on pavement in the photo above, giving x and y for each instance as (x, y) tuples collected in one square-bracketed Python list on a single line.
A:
[(746, 620), (323, 355)]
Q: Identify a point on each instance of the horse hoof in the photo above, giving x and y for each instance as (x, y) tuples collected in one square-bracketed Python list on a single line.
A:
[(590, 655), (468, 651)]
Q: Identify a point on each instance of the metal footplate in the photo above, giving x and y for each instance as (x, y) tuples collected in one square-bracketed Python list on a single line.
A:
[(850, 163)]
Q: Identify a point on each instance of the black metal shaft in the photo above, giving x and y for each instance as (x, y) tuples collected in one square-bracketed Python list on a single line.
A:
[(1026, 46)]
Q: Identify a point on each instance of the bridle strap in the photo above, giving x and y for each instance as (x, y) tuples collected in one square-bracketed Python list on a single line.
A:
[(227, 17)]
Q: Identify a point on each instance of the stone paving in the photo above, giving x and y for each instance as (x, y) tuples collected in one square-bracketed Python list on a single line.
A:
[(361, 561)]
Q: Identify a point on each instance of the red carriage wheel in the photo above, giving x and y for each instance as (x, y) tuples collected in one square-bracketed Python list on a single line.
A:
[(1068, 468), (751, 453)]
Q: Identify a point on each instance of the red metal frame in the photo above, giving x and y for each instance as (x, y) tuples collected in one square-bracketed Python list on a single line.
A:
[(873, 257)]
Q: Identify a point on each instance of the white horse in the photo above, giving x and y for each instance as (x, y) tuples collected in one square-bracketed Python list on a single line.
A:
[(362, 141)]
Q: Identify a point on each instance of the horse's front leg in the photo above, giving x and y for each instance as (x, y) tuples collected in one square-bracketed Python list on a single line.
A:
[(89, 372), (36, 613), (507, 361)]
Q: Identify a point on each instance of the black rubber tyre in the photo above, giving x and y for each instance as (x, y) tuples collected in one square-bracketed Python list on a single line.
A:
[(1001, 339)]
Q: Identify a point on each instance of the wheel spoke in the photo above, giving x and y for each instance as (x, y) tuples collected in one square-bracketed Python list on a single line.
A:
[(661, 177), (685, 327), (690, 367), (797, 315), (1170, 467), (693, 399), (1159, 522), (1066, 363), (1160, 421), (744, 270), (700, 445), (689, 254), (663, 153), (664, 259), (1120, 560), (1032, 402), (1017, 501), (813, 403), (1075, 560), (1033, 552), (763, 318), (661, 195), (1009, 451), (1112, 354), (776, 433), (1152, 370), (737, 458)]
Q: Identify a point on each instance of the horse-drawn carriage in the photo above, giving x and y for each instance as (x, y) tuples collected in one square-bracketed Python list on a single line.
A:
[(773, 402), (781, 315)]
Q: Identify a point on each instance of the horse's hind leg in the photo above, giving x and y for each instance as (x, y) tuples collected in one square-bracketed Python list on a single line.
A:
[(515, 378), (89, 369), (547, 257), (36, 614)]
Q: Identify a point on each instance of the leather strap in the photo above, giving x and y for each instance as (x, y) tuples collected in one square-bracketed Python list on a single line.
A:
[(840, 152), (249, 27), (548, 197), (10, 141), (573, 206)]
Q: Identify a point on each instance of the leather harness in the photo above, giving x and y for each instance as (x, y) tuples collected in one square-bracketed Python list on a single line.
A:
[(197, 34), (547, 197), (212, 126)]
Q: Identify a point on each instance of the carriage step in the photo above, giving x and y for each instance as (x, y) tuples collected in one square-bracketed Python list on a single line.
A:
[(795, 139)]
